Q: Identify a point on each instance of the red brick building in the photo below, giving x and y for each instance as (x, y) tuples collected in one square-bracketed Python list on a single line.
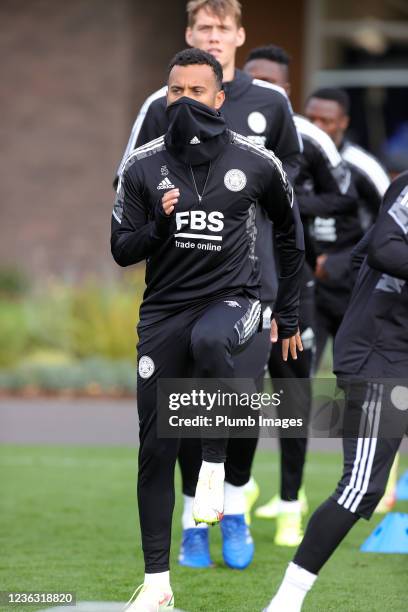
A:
[(73, 77)]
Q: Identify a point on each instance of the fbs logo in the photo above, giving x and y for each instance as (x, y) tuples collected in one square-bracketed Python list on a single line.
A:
[(198, 220), (165, 184)]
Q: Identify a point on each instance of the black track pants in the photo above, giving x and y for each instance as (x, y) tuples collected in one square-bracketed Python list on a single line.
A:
[(294, 379), (200, 343), (248, 363), (367, 463)]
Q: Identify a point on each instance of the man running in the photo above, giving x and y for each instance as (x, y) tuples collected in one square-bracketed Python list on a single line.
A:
[(371, 364), (261, 112), (212, 179)]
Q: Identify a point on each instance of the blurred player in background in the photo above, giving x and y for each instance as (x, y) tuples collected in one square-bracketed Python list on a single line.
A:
[(323, 187), (371, 349), (329, 110)]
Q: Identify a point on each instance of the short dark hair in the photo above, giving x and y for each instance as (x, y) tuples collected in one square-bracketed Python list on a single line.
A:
[(334, 94), (273, 53), (190, 57)]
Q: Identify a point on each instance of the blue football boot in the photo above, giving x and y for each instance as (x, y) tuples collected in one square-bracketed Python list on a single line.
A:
[(237, 543), (195, 550)]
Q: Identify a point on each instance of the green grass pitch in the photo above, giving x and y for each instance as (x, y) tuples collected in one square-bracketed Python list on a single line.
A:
[(68, 522)]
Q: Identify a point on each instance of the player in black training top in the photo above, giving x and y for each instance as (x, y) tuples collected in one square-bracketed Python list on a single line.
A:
[(202, 287), (329, 109), (261, 112), (371, 364), (323, 188)]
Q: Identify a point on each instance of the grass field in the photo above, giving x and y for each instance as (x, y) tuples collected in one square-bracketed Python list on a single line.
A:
[(69, 523)]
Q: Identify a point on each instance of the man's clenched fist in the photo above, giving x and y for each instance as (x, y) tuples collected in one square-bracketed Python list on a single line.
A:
[(169, 200)]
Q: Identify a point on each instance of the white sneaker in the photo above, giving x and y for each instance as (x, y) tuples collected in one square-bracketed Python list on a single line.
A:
[(150, 598), (208, 506)]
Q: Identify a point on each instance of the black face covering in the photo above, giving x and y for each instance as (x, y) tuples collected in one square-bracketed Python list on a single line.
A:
[(196, 132)]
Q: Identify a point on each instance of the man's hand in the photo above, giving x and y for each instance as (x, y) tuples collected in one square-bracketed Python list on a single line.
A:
[(169, 200), (293, 343), (320, 270)]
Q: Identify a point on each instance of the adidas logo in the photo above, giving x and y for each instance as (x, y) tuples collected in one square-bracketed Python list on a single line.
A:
[(195, 140), (165, 184)]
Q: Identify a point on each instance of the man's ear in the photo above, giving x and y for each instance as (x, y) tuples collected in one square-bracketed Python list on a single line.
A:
[(219, 99), (189, 36), (345, 122), (241, 36)]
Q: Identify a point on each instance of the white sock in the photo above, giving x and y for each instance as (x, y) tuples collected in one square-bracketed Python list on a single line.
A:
[(187, 520), (161, 580), (289, 506), (234, 499), (218, 468), (295, 585)]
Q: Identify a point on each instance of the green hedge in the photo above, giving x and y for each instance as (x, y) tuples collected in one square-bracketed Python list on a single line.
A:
[(76, 322), (94, 376)]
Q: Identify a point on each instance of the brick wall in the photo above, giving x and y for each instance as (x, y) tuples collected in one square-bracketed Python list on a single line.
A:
[(73, 76)]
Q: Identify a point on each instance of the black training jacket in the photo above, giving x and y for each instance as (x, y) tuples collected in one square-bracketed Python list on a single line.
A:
[(205, 249), (261, 112), (377, 317), (325, 191)]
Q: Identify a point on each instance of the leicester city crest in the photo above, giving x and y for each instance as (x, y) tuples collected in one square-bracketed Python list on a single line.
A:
[(235, 180)]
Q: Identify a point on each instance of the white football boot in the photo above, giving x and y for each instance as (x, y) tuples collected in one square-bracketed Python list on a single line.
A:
[(208, 506), (150, 598)]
